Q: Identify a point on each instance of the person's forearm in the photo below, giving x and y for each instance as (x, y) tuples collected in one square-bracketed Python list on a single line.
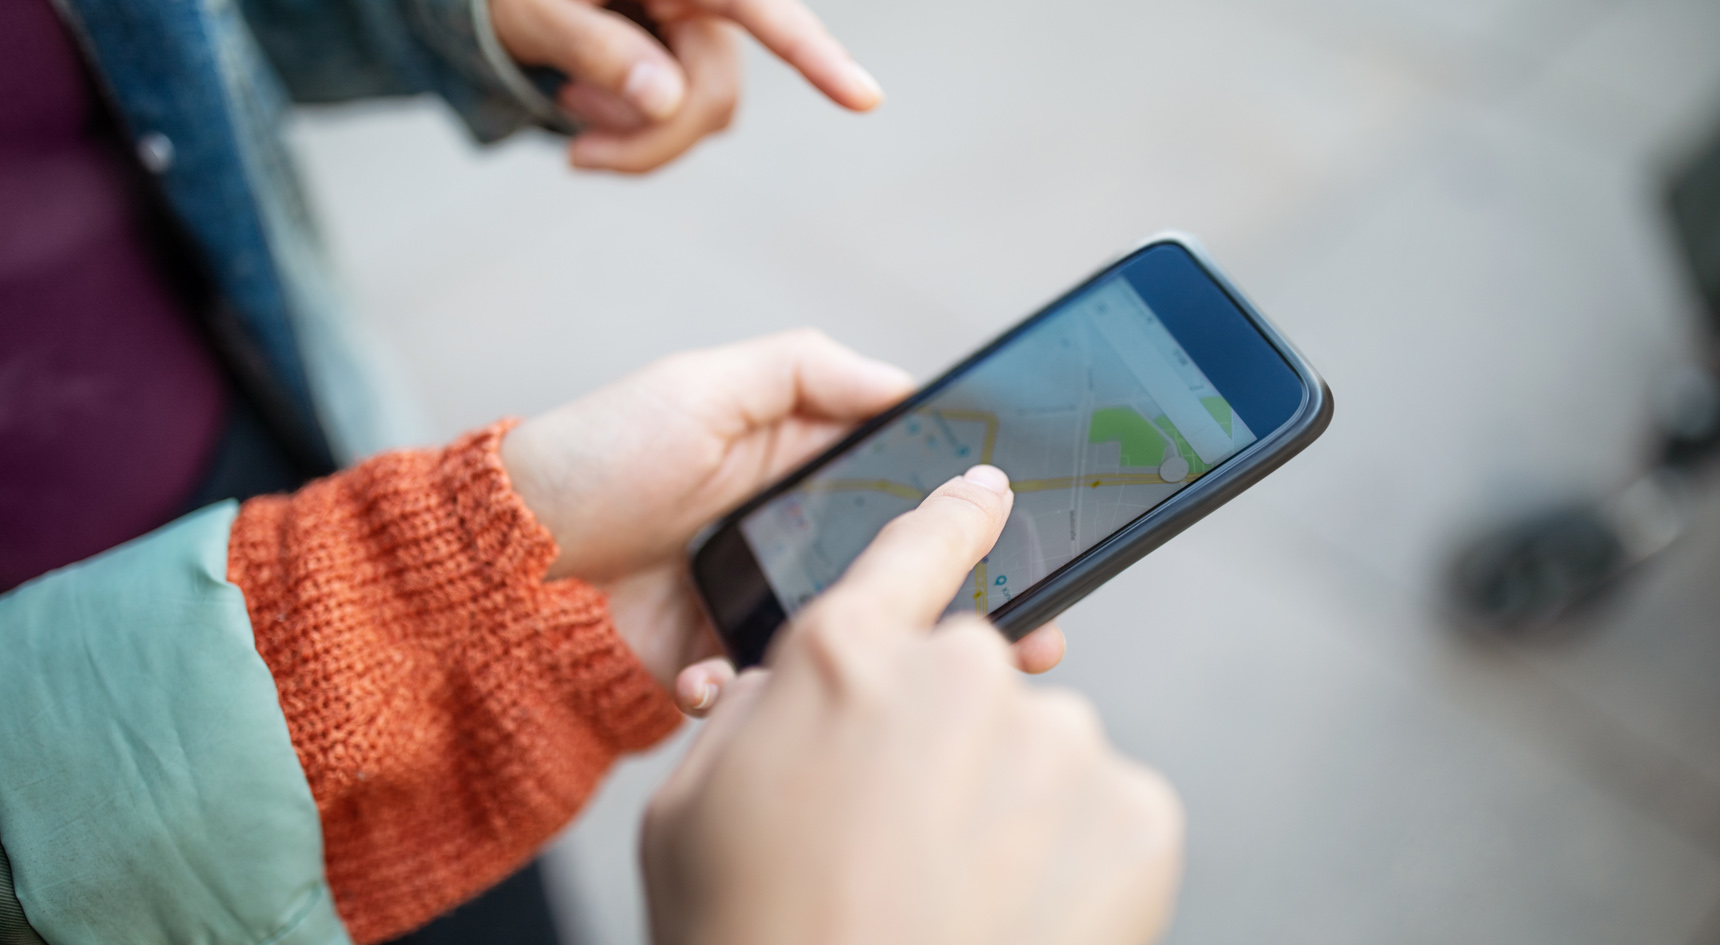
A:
[(451, 709)]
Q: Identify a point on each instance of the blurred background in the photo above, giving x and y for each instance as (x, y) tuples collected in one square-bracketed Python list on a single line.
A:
[(1455, 207)]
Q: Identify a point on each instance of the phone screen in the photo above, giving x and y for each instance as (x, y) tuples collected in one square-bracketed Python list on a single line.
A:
[(1095, 411)]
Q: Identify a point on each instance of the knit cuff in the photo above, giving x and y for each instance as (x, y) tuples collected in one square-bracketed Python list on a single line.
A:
[(452, 709), (622, 700)]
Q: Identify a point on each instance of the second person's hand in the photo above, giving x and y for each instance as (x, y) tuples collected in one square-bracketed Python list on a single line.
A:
[(646, 102), (885, 781)]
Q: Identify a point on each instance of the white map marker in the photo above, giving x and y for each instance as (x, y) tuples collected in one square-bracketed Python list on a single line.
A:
[(1174, 469)]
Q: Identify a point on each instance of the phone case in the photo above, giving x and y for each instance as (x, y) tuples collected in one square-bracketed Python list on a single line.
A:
[(1064, 587)]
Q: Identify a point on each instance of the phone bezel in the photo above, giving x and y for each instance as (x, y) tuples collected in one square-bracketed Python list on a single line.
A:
[(1076, 579)]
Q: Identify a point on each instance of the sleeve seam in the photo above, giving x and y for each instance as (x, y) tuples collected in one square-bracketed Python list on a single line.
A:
[(319, 896)]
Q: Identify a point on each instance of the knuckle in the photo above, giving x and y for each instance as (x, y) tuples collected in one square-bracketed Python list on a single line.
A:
[(724, 116), (806, 337), (975, 639), (721, 99), (970, 643), (971, 663), (816, 635), (825, 638), (1070, 719), (967, 624), (1148, 816), (823, 610), (713, 113), (1157, 800)]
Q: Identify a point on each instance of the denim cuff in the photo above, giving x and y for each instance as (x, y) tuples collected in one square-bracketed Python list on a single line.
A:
[(502, 97)]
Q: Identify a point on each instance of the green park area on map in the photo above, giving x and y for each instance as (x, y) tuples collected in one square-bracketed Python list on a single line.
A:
[(1144, 441)]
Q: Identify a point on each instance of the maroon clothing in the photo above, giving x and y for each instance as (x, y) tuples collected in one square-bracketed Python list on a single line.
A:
[(111, 403)]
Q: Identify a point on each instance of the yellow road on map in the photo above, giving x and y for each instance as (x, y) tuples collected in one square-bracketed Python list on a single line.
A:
[(904, 491), (911, 494), (896, 489), (1092, 482), (977, 416), (981, 592)]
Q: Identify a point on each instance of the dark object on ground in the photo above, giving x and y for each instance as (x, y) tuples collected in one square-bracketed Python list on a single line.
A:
[(1533, 570), (1530, 571), (1693, 202)]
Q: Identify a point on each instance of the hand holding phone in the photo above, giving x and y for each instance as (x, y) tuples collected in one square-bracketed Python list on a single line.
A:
[(885, 782), (625, 476)]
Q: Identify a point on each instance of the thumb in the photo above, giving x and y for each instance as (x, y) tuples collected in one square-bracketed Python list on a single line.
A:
[(739, 700), (699, 686), (594, 47)]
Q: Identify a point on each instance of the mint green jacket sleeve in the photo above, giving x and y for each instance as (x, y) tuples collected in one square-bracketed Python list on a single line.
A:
[(149, 792)]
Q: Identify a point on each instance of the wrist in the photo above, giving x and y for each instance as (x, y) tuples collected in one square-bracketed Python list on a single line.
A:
[(534, 478)]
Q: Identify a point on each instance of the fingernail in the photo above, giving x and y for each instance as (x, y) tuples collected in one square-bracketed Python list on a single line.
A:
[(654, 88), (989, 477), (707, 695), (863, 80)]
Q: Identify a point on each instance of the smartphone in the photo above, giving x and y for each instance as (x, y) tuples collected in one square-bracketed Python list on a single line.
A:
[(1123, 412)]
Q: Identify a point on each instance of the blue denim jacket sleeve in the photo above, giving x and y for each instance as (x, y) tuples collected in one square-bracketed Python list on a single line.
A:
[(334, 50)]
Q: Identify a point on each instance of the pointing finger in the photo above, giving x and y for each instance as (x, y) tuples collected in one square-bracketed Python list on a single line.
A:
[(918, 562), (791, 31)]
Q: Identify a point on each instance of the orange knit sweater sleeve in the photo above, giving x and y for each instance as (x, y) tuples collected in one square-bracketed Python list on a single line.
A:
[(451, 709)]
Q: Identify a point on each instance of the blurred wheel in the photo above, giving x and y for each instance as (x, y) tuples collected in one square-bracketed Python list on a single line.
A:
[(1529, 572)]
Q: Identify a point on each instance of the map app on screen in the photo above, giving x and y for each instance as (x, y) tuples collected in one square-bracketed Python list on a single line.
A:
[(1096, 413)]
